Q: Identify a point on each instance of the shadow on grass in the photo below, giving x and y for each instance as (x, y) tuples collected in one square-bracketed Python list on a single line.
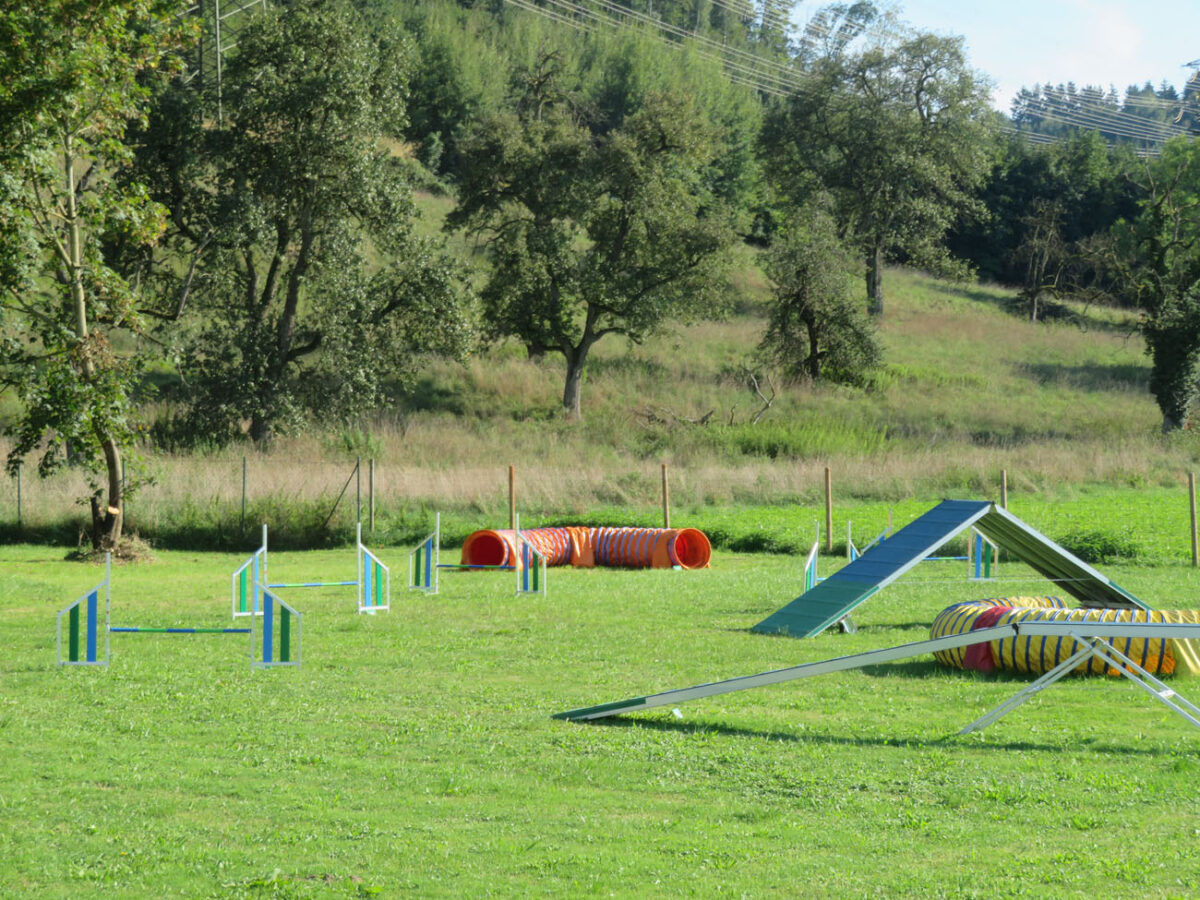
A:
[(1049, 310), (675, 726), (1091, 376)]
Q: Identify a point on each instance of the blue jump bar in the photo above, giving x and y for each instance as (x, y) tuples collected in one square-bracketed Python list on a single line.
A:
[(137, 630), (315, 584)]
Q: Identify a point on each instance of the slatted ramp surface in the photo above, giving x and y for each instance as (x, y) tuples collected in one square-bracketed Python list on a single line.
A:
[(834, 598), (816, 609)]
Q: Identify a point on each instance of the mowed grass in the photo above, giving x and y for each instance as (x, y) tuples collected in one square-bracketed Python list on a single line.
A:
[(414, 753)]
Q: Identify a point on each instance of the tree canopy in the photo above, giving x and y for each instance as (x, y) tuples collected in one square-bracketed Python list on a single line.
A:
[(73, 77)]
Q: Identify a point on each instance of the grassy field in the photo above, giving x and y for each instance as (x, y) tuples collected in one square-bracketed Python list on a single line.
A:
[(414, 753)]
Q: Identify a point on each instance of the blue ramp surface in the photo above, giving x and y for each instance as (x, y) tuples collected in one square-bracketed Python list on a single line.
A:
[(815, 610)]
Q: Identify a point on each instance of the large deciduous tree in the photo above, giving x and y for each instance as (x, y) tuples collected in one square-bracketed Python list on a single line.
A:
[(616, 230), (817, 327), (73, 75), (297, 220), (1159, 265), (897, 135)]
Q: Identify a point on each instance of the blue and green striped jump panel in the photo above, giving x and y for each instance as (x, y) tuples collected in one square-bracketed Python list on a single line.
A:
[(278, 648), (833, 598), (423, 565), (374, 581), (90, 642)]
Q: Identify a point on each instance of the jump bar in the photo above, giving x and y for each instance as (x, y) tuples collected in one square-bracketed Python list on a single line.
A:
[(301, 584), (137, 630)]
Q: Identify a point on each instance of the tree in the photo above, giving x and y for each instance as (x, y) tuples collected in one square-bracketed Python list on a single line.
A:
[(817, 326), (1159, 263), (594, 234), (313, 290), (73, 76), (897, 135)]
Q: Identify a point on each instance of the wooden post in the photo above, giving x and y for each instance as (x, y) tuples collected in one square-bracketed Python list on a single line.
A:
[(19, 464), (371, 494), (666, 499), (1192, 504), (512, 497), (358, 489), (243, 493), (1004, 488), (828, 510)]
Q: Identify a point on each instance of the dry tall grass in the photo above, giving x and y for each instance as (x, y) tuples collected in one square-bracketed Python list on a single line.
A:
[(969, 390)]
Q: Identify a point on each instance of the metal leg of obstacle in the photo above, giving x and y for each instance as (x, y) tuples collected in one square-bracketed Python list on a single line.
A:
[(424, 560), (1110, 656), (91, 626), (1028, 691)]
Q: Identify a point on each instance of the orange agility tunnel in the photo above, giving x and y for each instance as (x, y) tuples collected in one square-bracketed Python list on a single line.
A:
[(634, 548)]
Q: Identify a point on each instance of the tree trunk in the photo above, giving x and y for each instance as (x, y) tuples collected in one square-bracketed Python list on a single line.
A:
[(813, 363), (573, 387), (260, 430), (875, 281), (108, 522)]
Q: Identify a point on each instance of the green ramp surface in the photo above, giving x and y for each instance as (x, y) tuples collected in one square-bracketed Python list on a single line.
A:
[(817, 609)]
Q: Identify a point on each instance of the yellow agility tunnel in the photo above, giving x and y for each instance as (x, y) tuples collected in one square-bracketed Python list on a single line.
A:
[(1039, 654), (636, 548)]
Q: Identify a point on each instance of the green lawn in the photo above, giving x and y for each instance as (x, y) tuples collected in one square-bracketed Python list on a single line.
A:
[(415, 754)]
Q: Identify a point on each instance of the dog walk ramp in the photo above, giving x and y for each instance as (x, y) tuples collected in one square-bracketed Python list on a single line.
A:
[(832, 599), (1098, 639)]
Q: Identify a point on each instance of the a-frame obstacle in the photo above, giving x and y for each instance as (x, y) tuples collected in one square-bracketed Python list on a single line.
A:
[(833, 598), (1091, 639)]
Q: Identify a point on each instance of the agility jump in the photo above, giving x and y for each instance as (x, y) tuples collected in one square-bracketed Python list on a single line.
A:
[(373, 584), (280, 628)]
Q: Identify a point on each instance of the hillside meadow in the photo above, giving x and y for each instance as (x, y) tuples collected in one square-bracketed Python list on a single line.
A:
[(969, 389)]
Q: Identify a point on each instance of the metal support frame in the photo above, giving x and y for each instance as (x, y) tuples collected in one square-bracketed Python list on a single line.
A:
[(90, 603), (1094, 637), (1093, 647)]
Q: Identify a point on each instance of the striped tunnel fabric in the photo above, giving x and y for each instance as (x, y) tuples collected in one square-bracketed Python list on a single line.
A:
[(659, 548), (1040, 653)]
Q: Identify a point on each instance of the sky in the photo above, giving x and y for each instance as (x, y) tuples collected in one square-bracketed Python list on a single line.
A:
[(1023, 42)]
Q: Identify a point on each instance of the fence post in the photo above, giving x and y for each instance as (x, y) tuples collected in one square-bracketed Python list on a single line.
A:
[(512, 497), (1004, 488), (20, 463), (243, 493), (371, 494), (358, 489), (828, 510), (666, 497), (1192, 505)]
